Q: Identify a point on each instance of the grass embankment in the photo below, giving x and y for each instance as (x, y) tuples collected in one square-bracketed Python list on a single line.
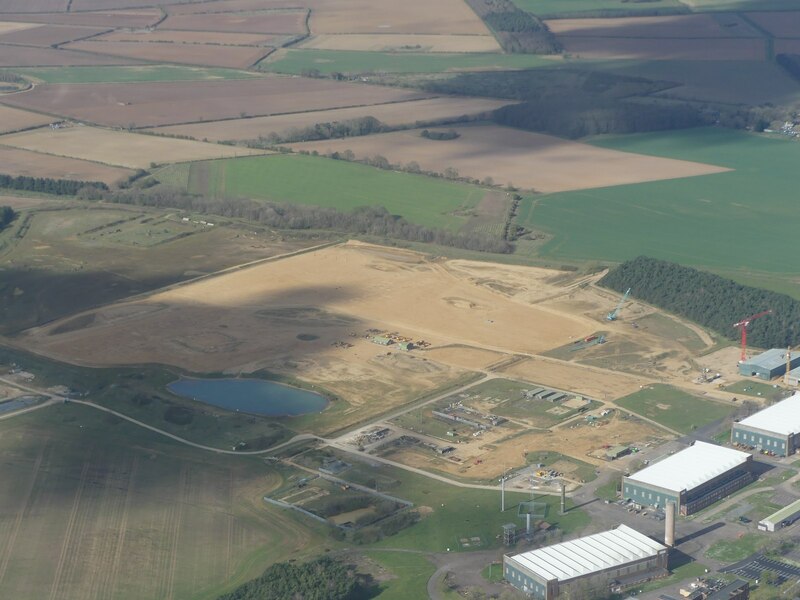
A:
[(673, 408), (691, 220), (332, 184), (349, 61)]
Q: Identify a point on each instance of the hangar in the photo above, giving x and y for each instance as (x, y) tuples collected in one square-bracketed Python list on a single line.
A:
[(692, 478), (775, 430), (575, 568), (769, 364)]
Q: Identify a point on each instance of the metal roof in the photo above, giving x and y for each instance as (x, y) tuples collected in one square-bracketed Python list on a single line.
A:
[(786, 512), (782, 417), (589, 554), (771, 359), (690, 467)]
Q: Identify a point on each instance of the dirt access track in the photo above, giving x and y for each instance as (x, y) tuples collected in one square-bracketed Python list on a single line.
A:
[(247, 319)]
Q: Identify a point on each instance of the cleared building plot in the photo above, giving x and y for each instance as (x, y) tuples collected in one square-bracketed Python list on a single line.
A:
[(392, 114), (664, 49), (192, 37), (118, 148), (265, 21), (568, 569), (775, 430), (389, 16), (48, 35), (29, 56), (784, 24), (367, 42), (528, 160), (32, 164), (676, 26), (12, 119), (693, 478), (118, 18), (235, 57), (166, 103)]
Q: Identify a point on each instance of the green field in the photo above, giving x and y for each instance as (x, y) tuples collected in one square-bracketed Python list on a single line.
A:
[(757, 389), (127, 74), (735, 550), (348, 61), (90, 503), (674, 408), (734, 223), (333, 184), (409, 574)]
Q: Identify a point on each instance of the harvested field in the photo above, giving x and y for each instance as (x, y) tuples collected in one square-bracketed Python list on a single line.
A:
[(329, 293), (392, 114), (49, 35), (389, 16), (220, 6), (28, 56), (153, 104), (780, 24), (366, 42), (119, 148), (266, 21), (529, 160), (193, 37), (675, 26), (31, 164), (12, 119), (664, 49), (118, 18), (236, 57), (10, 27)]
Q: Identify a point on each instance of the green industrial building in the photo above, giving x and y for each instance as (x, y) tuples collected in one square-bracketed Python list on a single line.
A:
[(693, 478), (768, 365), (775, 430)]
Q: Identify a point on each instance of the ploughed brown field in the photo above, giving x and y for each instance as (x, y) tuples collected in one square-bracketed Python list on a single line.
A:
[(236, 57), (153, 104), (510, 156), (392, 114), (273, 21), (120, 18), (48, 35), (12, 119), (32, 164), (664, 48), (192, 37), (780, 24), (33, 6), (676, 26), (30, 56)]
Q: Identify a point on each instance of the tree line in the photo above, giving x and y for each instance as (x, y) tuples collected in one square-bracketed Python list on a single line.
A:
[(322, 579), (48, 185), (710, 300), (7, 215), (367, 220)]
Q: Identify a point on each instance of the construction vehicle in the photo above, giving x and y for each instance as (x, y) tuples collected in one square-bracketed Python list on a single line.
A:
[(743, 325), (614, 314)]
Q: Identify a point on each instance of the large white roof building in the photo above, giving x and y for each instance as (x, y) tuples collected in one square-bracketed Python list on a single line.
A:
[(691, 467), (782, 418)]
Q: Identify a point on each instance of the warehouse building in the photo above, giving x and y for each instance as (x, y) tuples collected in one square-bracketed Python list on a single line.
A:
[(794, 377), (693, 478), (595, 562), (775, 430), (783, 518), (769, 364)]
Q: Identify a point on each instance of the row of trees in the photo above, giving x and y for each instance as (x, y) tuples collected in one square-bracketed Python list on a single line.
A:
[(321, 131), (7, 215), (322, 579), (47, 185), (368, 220), (710, 300)]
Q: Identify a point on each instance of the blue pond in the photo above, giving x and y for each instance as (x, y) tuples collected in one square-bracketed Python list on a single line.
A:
[(254, 396)]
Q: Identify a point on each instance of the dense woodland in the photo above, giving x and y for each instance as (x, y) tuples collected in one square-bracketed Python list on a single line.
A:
[(323, 579), (46, 185), (517, 31), (710, 300), (7, 215), (368, 220), (790, 63)]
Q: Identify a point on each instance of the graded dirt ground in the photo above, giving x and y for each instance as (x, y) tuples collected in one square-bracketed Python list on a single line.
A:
[(83, 516), (118, 148), (392, 114), (12, 119), (165, 103), (399, 42), (267, 21), (528, 160), (674, 26), (388, 16), (235, 57), (665, 48), (251, 319), (15, 162)]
